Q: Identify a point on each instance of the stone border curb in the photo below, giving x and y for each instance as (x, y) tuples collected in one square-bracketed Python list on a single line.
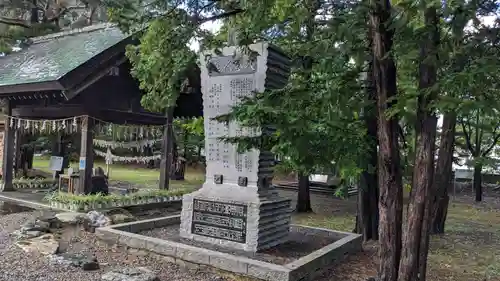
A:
[(305, 268)]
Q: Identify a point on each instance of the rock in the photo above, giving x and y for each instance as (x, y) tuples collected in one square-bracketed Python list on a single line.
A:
[(130, 274), (99, 184), (121, 218), (23, 235), (55, 259), (32, 234), (45, 244), (79, 260), (71, 217), (30, 226), (117, 216), (48, 220), (43, 224), (97, 219)]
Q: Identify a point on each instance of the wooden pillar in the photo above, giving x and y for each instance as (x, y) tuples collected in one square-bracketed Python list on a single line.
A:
[(86, 162), (17, 151), (8, 151), (167, 153)]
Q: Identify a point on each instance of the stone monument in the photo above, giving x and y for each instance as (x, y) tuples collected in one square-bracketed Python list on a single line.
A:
[(237, 207)]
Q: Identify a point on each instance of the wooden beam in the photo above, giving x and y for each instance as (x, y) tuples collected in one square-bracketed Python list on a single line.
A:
[(132, 118), (86, 163), (167, 151), (8, 152), (15, 89), (50, 112), (73, 92)]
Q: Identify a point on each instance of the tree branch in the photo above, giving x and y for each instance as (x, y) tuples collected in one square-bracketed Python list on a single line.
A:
[(467, 137), (222, 16), (493, 144)]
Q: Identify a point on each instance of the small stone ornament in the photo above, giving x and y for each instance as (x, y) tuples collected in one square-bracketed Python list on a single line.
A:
[(218, 179), (242, 181)]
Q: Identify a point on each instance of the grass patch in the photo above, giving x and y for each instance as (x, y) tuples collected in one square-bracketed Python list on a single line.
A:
[(136, 175), (340, 223), (467, 251)]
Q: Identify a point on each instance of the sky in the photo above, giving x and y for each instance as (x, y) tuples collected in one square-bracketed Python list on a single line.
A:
[(212, 26)]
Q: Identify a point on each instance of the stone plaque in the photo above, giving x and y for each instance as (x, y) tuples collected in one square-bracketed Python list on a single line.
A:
[(219, 220), (228, 65)]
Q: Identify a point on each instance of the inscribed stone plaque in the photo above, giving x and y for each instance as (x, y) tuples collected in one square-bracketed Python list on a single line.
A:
[(219, 220), (228, 65)]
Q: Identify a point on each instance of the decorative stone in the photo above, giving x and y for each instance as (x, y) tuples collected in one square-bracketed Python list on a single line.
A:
[(82, 261), (130, 274), (97, 219), (30, 226), (121, 218), (71, 217), (239, 208), (23, 235), (45, 245)]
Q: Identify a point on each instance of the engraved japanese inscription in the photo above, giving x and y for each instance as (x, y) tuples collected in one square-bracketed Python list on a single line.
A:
[(219, 220), (228, 65)]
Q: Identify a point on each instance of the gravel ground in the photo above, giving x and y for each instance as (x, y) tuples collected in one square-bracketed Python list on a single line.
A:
[(298, 246), (16, 265)]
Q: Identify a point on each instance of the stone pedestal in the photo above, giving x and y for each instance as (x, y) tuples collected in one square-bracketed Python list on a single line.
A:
[(237, 206)]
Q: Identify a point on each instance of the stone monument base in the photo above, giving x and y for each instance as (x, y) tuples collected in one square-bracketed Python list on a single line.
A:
[(236, 217)]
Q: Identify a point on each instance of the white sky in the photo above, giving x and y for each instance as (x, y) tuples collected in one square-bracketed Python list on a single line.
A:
[(212, 26)]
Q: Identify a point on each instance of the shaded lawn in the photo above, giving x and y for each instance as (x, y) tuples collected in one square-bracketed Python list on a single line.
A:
[(469, 251), (135, 175)]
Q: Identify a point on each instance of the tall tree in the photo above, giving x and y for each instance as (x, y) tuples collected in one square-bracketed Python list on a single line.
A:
[(416, 238), (479, 133), (443, 174), (389, 169)]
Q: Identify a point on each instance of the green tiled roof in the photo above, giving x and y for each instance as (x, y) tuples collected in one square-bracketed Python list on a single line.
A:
[(53, 57)]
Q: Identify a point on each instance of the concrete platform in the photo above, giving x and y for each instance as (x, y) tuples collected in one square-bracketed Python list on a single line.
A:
[(303, 268)]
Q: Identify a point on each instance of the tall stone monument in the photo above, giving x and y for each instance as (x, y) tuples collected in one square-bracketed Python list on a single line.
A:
[(237, 207)]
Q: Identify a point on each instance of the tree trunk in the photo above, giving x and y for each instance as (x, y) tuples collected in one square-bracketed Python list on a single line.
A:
[(303, 199), (34, 12), (413, 265), (477, 181), (389, 167), (444, 173), (367, 219)]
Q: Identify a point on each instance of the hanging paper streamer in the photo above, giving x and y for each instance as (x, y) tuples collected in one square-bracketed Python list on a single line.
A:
[(125, 133), (109, 157), (31, 126), (127, 159), (139, 145), (73, 124)]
